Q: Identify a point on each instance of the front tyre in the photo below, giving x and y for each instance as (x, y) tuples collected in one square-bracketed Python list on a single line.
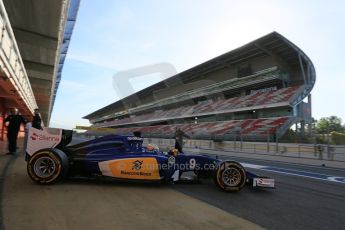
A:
[(230, 176), (47, 166)]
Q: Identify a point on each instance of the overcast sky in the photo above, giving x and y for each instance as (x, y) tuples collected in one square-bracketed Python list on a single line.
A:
[(112, 37)]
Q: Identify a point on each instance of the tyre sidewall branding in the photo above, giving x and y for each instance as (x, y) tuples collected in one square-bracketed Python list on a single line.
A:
[(52, 178), (219, 181)]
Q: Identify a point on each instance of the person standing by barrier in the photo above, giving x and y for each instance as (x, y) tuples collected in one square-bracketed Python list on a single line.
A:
[(37, 121), (14, 121), (179, 134)]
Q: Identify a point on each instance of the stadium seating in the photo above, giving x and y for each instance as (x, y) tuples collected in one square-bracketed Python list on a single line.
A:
[(245, 128), (213, 107), (265, 75)]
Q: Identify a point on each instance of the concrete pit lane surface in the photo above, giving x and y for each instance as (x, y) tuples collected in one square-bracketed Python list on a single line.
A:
[(90, 204), (306, 197)]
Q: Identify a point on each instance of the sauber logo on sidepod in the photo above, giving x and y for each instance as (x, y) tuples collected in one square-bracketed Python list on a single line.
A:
[(43, 137), (142, 168), (137, 165)]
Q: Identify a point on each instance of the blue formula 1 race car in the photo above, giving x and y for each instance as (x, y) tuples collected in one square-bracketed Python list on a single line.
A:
[(50, 158)]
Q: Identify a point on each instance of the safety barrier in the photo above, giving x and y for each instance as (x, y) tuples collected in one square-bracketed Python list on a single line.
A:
[(321, 152)]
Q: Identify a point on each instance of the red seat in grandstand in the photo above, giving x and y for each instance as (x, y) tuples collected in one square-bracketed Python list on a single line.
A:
[(250, 127), (209, 107)]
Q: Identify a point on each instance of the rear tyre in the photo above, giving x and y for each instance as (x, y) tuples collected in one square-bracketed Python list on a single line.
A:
[(230, 176), (47, 166)]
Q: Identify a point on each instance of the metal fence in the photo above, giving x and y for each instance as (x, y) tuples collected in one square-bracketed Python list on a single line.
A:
[(311, 151)]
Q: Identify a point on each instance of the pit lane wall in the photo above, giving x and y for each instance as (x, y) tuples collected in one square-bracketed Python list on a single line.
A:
[(310, 151)]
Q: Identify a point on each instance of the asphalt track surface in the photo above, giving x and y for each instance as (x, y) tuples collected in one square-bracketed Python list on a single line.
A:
[(305, 198)]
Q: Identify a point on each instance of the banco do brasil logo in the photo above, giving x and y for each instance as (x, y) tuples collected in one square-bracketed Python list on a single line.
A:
[(137, 165)]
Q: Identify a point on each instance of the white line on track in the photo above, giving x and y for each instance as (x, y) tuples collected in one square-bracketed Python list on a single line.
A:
[(294, 172)]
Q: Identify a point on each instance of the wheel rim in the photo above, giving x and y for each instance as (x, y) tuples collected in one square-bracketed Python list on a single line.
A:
[(231, 176), (44, 167)]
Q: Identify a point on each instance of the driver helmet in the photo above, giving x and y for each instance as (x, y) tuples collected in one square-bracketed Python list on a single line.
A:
[(152, 147), (173, 152)]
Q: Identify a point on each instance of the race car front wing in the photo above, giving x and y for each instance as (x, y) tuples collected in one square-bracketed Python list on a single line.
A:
[(263, 182)]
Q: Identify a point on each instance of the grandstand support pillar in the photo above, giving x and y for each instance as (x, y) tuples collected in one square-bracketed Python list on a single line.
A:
[(310, 120), (302, 127), (302, 69)]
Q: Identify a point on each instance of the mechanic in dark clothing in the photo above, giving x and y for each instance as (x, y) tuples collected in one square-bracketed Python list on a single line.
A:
[(36, 121), (179, 134), (14, 121)]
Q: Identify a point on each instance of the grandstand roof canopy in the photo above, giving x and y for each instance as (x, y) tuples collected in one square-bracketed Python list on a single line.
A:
[(42, 32), (272, 44)]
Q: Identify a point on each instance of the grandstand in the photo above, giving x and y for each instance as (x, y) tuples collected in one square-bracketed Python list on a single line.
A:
[(254, 92)]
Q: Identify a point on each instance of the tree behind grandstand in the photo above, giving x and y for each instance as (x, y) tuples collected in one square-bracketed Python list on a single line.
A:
[(327, 125)]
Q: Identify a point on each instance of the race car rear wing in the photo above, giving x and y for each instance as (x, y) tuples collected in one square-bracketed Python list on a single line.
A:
[(47, 138)]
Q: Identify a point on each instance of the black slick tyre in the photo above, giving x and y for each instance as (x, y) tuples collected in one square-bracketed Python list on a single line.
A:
[(230, 176), (47, 166)]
